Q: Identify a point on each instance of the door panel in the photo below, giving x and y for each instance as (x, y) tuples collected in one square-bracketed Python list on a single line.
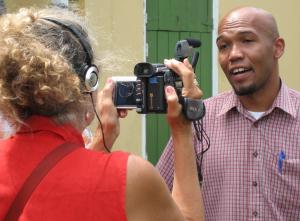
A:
[(168, 22)]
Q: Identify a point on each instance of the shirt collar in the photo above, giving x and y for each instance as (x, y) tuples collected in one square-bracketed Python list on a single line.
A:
[(283, 101), (37, 123), (231, 102)]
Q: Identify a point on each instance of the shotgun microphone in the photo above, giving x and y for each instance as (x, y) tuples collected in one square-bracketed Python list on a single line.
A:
[(195, 43)]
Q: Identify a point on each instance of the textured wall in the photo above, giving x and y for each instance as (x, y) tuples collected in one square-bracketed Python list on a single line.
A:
[(119, 30)]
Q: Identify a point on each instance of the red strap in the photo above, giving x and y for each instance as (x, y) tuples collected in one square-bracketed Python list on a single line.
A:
[(35, 178)]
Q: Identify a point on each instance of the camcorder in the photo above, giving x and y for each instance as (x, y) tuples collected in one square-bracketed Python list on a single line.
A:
[(145, 91)]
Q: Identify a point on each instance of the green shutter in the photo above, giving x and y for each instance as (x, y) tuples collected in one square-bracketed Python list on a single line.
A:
[(168, 22)]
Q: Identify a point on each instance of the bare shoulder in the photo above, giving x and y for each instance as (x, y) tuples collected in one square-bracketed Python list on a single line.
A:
[(147, 196)]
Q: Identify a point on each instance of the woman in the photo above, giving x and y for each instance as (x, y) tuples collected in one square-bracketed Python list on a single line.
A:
[(5, 129), (48, 86)]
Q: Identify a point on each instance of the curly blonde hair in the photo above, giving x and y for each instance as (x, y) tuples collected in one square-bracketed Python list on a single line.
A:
[(38, 65)]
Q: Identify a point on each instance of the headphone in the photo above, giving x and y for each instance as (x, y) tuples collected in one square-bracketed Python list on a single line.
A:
[(89, 73)]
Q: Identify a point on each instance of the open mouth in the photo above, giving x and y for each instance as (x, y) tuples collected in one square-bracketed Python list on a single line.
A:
[(237, 71)]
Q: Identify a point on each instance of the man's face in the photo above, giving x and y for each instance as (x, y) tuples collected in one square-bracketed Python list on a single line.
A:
[(246, 53)]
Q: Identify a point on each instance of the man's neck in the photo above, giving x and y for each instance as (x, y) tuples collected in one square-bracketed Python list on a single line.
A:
[(260, 100)]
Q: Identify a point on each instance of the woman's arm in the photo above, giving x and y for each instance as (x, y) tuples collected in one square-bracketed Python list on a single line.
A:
[(186, 188), (148, 197)]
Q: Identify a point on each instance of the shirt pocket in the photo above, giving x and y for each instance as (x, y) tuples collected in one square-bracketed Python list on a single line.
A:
[(282, 189), (290, 181), (291, 167)]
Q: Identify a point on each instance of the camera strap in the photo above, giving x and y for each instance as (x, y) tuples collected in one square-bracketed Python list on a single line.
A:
[(193, 109), (33, 180)]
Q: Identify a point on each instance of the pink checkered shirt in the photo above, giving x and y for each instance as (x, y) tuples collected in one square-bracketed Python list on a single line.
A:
[(243, 178)]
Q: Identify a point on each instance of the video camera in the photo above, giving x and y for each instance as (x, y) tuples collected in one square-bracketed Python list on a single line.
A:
[(145, 91)]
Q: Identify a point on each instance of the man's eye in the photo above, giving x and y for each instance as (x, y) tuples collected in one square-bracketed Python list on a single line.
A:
[(247, 40), (222, 46)]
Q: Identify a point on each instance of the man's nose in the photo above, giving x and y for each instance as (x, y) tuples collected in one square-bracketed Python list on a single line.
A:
[(235, 53)]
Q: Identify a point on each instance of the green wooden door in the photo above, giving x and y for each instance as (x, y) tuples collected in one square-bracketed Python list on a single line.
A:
[(167, 22)]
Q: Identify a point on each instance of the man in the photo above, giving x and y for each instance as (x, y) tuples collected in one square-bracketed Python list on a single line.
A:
[(252, 168)]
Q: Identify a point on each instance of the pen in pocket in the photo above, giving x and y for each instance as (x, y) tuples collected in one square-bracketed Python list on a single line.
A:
[(281, 158)]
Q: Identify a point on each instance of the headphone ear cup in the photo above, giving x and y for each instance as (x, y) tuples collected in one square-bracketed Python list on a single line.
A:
[(91, 79)]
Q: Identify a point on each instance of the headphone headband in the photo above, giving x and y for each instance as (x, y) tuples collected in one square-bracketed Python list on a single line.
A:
[(81, 38), (90, 72)]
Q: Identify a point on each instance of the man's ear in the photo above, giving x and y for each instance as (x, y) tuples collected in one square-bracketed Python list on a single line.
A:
[(279, 46)]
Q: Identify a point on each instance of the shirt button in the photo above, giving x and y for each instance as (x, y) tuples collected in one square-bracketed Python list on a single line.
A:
[(255, 213), (254, 183), (255, 154)]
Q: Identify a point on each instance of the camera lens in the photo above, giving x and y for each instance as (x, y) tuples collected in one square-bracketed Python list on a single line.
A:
[(126, 89)]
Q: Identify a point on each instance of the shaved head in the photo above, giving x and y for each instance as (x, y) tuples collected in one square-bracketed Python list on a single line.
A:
[(249, 48), (260, 17)]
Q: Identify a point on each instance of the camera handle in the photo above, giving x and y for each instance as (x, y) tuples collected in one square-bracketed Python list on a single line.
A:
[(193, 109), (195, 60)]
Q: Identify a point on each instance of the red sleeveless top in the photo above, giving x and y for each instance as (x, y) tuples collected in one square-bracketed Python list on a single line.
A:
[(85, 185)]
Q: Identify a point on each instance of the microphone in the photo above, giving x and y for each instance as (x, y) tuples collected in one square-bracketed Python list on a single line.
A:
[(195, 43)]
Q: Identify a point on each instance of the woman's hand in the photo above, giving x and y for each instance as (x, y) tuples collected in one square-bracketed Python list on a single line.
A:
[(190, 89), (186, 189), (109, 117)]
